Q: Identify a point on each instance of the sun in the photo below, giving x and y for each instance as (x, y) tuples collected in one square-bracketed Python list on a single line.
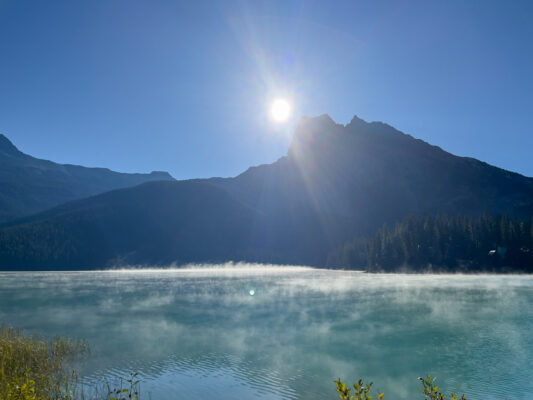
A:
[(280, 110)]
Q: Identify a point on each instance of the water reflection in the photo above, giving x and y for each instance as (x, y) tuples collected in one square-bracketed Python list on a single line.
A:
[(201, 331)]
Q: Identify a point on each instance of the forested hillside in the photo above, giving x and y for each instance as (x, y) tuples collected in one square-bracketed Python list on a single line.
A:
[(445, 243)]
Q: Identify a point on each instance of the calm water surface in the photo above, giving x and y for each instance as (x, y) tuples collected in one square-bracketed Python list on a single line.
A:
[(200, 333)]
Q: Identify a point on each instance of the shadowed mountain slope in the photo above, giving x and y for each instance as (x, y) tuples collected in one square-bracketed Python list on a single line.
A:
[(29, 185), (336, 182)]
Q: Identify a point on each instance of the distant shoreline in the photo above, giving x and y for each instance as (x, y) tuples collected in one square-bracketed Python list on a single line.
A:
[(269, 267)]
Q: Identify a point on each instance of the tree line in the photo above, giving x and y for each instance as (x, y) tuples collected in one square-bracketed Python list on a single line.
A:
[(443, 243)]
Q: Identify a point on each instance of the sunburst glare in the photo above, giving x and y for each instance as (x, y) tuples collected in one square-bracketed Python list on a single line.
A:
[(280, 110)]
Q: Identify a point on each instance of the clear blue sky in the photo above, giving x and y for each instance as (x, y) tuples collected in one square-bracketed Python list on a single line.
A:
[(185, 86)]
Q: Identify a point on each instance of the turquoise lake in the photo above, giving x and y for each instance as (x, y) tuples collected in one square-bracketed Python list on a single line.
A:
[(257, 332)]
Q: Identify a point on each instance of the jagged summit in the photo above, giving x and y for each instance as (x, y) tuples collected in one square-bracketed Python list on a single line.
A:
[(356, 122), (324, 123), (321, 134)]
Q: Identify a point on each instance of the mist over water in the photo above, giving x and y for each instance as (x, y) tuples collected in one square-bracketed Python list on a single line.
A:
[(265, 332)]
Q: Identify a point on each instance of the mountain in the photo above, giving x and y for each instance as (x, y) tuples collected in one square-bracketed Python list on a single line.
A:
[(335, 183), (29, 185)]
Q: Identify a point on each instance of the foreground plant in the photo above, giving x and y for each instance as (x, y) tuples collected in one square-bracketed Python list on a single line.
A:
[(32, 368), (21, 389), (362, 391), (131, 392), (431, 391)]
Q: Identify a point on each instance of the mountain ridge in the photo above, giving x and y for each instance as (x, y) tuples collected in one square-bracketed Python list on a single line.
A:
[(335, 183), (31, 185)]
